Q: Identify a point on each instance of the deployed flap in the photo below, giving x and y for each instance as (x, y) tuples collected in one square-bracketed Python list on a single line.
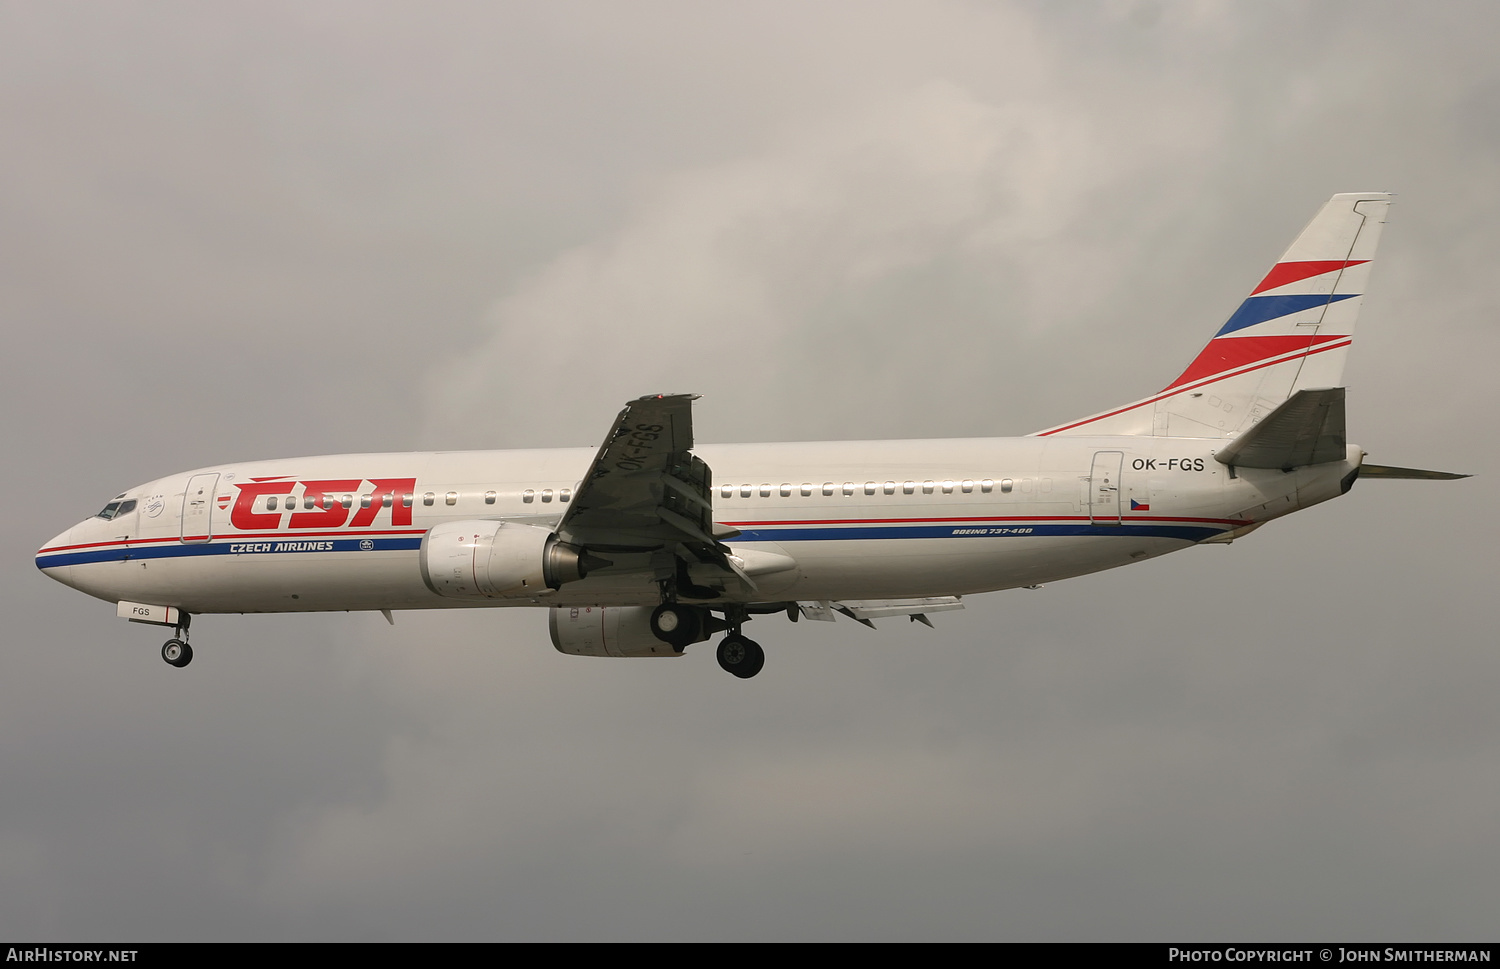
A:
[(864, 610), (1307, 428), (1412, 474)]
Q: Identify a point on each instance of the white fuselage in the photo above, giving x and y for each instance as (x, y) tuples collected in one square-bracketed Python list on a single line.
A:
[(866, 520)]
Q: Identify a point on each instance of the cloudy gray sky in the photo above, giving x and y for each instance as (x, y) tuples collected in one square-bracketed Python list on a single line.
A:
[(246, 230)]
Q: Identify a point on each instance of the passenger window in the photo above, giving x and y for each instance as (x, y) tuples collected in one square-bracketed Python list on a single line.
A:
[(429, 498), (827, 487), (947, 487), (451, 498), (765, 491), (806, 488), (908, 487), (848, 488), (546, 494), (927, 487), (890, 487), (727, 491), (746, 490), (987, 485), (967, 486), (1005, 485), (564, 494), (406, 501), (1044, 485), (786, 490), (387, 500), (1025, 486), (869, 487), (348, 501), (528, 496), (489, 497), (364, 501), (270, 503)]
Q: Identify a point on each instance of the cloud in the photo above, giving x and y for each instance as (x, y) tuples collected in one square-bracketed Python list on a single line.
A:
[(789, 274)]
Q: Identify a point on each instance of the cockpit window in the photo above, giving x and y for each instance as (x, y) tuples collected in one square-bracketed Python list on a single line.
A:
[(117, 508)]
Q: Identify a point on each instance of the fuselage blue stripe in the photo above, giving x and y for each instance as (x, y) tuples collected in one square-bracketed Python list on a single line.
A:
[(1188, 533), (786, 533), (258, 546)]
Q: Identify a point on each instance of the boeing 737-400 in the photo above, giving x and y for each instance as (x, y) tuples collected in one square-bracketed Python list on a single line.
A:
[(649, 543)]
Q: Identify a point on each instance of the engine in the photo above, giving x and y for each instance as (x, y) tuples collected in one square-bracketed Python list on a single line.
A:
[(607, 631), (497, 560)]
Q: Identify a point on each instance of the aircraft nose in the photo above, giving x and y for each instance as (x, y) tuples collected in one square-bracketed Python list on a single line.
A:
[(52, 558)]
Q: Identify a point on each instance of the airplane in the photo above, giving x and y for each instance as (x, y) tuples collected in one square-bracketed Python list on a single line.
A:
[(649, 543)]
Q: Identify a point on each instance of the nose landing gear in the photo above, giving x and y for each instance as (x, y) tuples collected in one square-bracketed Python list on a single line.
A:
[(177, 653), (176, 650)]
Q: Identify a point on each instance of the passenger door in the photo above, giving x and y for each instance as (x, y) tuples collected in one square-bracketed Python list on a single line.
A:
[(198, 509)]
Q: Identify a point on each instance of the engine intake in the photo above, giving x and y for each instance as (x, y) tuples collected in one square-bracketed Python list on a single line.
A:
[(498, 560)]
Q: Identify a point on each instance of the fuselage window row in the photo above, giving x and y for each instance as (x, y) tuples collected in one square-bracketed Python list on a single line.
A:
[(850, 488), (408, 500), (786, 490)]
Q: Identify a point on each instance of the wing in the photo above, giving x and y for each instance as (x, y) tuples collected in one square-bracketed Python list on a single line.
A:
[(645, 489), (647, 492)]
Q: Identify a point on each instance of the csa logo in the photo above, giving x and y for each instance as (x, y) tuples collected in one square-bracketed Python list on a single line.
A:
[(365, 545), (320, 508)]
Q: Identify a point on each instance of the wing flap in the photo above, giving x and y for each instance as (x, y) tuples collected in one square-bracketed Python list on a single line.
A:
[(865, 610)]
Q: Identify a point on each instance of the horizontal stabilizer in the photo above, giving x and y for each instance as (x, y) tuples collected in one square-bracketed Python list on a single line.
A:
[(1412, 474), (1307, 428)]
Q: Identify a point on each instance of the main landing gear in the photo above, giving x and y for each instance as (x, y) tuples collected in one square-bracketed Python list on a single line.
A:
[(679, 626), (740, 656), (176, 650)]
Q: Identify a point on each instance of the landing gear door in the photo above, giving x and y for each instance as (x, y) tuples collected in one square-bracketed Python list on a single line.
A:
[(198, 509), (1104, 487)]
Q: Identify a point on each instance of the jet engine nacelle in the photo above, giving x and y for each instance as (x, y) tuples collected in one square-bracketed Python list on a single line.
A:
[(606, 631), (496, 560)]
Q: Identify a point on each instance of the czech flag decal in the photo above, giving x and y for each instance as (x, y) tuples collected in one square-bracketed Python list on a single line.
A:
[(1139, 505)]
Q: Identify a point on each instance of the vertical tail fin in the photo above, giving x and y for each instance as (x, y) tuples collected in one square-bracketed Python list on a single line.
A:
[(1291, 333)]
